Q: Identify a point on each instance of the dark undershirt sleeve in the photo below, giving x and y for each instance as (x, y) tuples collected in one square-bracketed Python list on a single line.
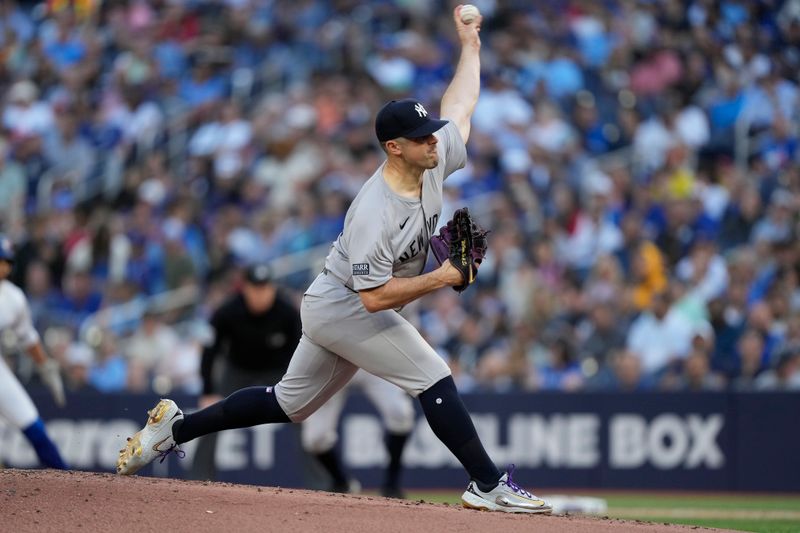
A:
[(211, 352)]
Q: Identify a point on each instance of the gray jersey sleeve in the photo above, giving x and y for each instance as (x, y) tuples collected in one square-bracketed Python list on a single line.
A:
[(452, 148), (370, 252), (385, 235)]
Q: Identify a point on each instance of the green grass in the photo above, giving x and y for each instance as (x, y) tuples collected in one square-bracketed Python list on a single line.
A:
[(701, 501), (760, 525), (625, 505)]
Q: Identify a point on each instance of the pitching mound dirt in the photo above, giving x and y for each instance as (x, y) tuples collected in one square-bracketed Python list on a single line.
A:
[(47, 500)]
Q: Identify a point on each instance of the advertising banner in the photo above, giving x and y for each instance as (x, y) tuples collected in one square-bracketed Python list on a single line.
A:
[(706, 441)]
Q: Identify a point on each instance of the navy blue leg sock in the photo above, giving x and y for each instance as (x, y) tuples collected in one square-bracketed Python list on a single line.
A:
[(45, 449), (450, 421), (247, 407)]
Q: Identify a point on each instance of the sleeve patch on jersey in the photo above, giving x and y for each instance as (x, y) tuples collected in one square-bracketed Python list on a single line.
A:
[(361, 269)]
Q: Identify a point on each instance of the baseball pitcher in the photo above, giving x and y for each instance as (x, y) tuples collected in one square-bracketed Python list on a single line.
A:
[(350, 312)]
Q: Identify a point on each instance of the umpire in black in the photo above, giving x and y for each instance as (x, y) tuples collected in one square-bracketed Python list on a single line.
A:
[(255, 334)]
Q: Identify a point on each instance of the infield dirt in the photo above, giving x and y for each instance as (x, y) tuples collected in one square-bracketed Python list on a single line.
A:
[(49, 500)]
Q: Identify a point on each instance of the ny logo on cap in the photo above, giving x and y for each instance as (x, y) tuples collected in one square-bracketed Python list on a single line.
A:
[(420, 110)]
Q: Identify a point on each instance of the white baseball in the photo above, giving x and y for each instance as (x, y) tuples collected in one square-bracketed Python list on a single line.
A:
[(469, 13)]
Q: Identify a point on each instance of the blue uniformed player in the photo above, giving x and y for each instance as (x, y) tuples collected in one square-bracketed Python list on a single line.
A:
[(16, 405)]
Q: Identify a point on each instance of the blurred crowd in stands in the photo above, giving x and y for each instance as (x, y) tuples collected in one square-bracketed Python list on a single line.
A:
[(636, 161)]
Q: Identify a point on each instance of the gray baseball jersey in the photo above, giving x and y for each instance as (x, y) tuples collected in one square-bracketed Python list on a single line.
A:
[(385, 235)]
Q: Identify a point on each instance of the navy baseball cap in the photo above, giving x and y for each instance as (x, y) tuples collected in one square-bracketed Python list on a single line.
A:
[(258, 274), (405, 118), (6, 249)]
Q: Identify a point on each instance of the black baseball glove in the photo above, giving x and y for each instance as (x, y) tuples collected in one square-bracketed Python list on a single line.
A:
[(464, 243)]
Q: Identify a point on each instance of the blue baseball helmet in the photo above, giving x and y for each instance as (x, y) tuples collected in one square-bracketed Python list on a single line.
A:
[(6, 249)]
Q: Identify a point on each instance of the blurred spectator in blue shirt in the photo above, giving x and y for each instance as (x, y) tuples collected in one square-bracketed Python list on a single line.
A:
[(740, 217), (109, 373), (62, 44), (204, 88), (562, 371), (784, 376), (750, 352), (78, 299), (623, 374)]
